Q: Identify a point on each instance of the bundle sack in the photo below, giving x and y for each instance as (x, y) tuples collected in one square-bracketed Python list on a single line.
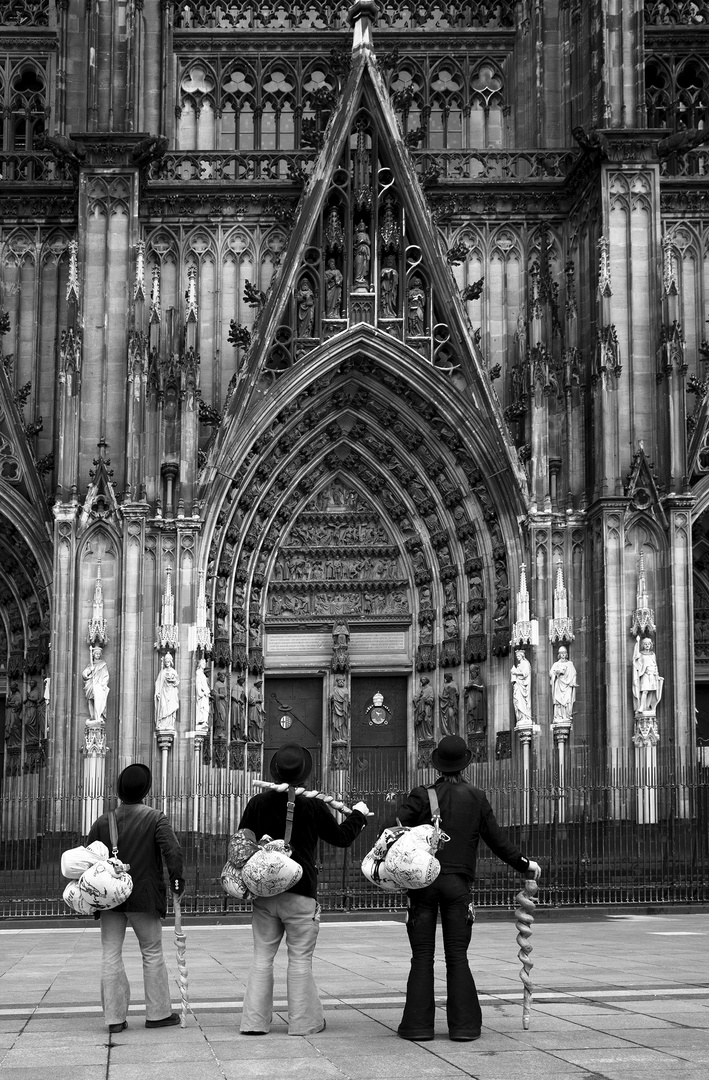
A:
[(232, 882), (411, 861), (78, 859), (373, 863), (242, 846), (271, 870), (103, 886)]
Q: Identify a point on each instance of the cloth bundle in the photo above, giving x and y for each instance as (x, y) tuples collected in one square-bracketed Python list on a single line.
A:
[(262, 868), (405, 858), (100, 882)]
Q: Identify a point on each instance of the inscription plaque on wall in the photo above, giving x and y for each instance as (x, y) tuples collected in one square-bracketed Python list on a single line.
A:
[(298, 643), (384, 642)]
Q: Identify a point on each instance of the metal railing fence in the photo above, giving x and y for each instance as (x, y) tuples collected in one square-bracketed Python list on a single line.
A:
[(585, 834)]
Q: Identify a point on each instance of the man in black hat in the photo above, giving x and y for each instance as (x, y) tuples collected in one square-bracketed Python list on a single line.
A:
[(296, 911), (145, 838), (466, 817)]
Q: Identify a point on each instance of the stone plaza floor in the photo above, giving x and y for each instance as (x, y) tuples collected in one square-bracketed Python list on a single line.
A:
[(622, 997)]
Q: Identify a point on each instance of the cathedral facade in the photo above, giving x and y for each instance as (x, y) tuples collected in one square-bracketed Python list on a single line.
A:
[(354, 392)]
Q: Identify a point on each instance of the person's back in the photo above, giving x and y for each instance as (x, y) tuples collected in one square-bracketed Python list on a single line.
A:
[(466, 817), (295, 912)]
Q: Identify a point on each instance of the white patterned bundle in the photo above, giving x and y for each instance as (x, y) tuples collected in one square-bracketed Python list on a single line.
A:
[(78, 859), (271, 870), (232, 881), (103, 886), (375, 871), (410, 861)]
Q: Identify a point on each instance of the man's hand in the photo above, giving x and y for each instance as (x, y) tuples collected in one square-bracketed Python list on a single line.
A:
[(534, 868), (362, 807), (177, 885)]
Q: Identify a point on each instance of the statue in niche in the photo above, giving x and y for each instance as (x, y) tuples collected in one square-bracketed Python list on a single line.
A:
[(647, 681), (419, 560), (238, 709), (32, 714), (362, 254), (305, 300), (339, 711), (475, 586), (562, 677), (424, 702), (448, 706), (202, 692), (502, 609), (167, 695), (257, 714), (96, 686), (426, 634), (425, 597), (333, 291), (476, 623), (416, 307), (13, 729), (450, 627), (389, 287), (221, 693), (341, 633), (450, 591), (254, 637), (521, 676), (475, 718)]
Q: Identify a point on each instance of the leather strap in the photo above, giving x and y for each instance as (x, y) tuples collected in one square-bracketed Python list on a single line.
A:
[(113, 831), (289, 815), (433, 800)]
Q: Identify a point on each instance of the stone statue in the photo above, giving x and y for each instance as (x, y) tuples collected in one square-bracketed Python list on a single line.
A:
[(563, 687), (339, 711), (167, 695), (647, 681), (305, 299), (424, 701), (257, 715), (416, 307), (238, 709), (475, 718), (32, 713), (448, 706), (341, 633), (221, 706), (522, 688), (201, 685), (333, 291), (362, 250), (13, 729), (389, 287), (96, 687)]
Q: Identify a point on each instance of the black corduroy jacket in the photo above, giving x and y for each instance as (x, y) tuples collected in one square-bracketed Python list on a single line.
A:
[(145, 838), (266, 812), (467, 818)]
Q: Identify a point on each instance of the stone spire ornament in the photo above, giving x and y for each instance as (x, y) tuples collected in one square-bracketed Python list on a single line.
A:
[(525, 631), (561, 626), (203, 630), (167, 627)]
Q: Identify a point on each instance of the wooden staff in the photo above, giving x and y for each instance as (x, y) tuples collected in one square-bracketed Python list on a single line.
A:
[(524, 917), (181, 947), (329, 799)]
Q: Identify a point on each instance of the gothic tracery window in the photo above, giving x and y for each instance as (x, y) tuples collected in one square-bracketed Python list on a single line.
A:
[(677, 92), (23, 93)]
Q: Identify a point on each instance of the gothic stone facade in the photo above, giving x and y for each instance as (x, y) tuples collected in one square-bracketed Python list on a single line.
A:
[(317, 326)]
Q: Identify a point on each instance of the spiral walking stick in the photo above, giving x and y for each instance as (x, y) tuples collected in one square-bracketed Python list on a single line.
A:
[(524, 917), (329, 800), (181, 947)]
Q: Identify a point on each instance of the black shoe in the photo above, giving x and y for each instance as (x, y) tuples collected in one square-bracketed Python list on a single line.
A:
[(415, 1038), (253, 1033), (465, 1038), (115, 1028), (168, 1021)]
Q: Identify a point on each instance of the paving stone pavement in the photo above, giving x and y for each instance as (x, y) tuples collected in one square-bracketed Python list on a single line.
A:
[(616, 998)]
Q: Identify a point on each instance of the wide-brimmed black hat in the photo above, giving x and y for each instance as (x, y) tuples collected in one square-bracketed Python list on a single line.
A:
[(134, 783), (451, 755), (291, 764)]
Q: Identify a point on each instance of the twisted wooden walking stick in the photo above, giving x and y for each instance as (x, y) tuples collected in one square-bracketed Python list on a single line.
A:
[(330, 800), (524, 917), (181, 947)]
